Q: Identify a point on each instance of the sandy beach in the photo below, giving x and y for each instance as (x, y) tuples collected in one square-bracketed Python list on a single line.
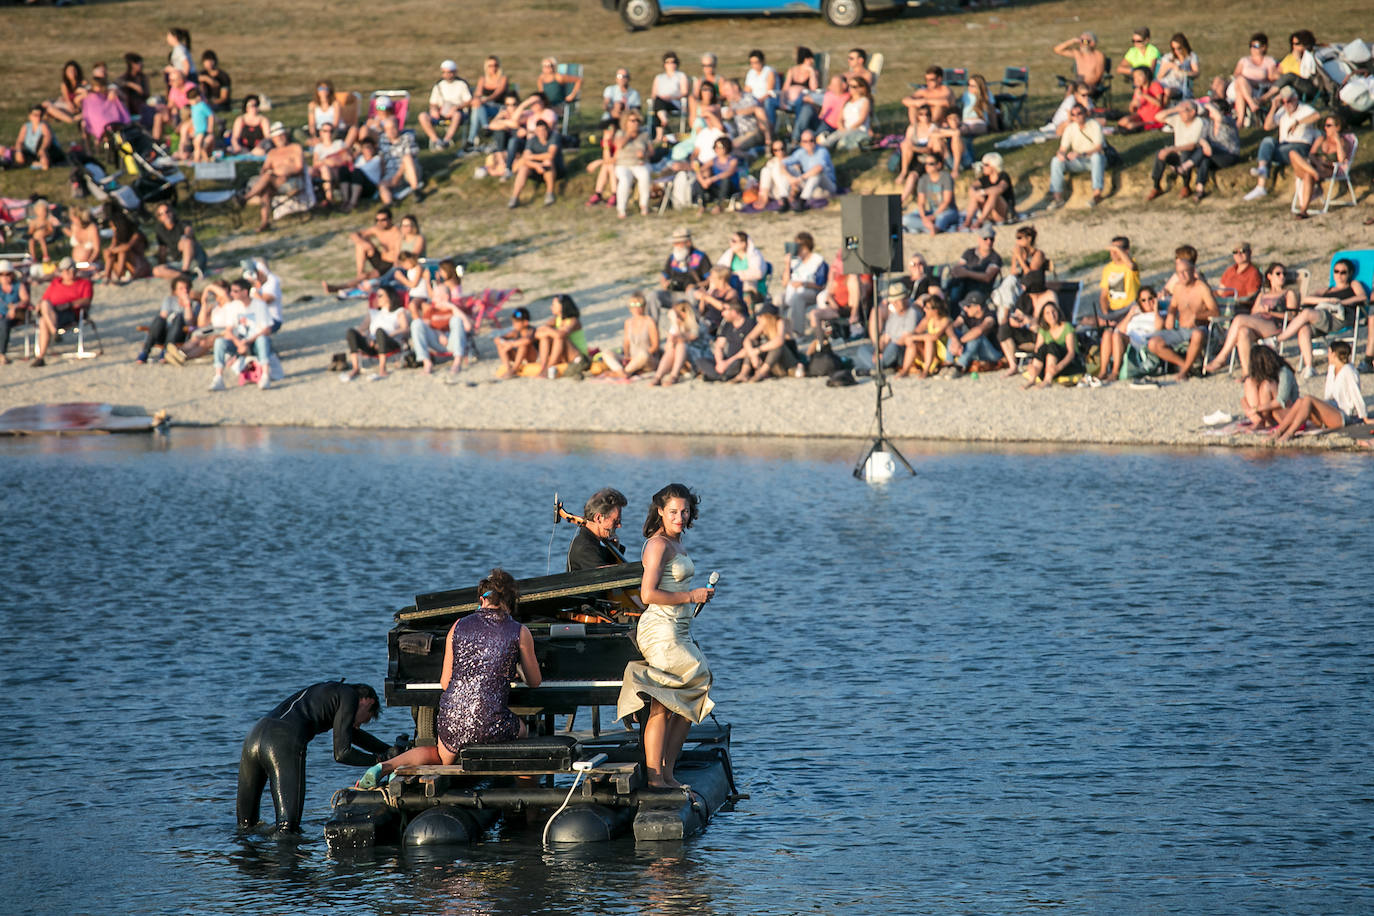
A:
[(617, 257)]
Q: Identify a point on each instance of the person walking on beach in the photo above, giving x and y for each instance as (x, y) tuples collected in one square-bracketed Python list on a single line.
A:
[(274, 750), (674, 679)]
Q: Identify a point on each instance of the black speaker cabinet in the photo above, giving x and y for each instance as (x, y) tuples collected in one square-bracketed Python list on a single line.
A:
[(871, 226)]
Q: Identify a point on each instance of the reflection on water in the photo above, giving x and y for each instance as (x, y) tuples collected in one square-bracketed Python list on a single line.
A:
[(1026, 679)]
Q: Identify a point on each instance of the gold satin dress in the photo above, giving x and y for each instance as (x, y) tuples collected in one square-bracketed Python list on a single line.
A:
[(673, 671)]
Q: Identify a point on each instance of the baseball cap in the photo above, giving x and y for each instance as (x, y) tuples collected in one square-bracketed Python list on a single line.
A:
[(974, 298), (987, 232), (449, 65), (66, 264), (6, 267), (521, 314), (767, 309), (383, 103)]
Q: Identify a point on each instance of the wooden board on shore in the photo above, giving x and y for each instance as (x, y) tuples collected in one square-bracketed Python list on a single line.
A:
[(70, 419)]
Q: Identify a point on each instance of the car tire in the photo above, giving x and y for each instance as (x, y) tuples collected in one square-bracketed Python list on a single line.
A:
[(844, 14), (639, 14)]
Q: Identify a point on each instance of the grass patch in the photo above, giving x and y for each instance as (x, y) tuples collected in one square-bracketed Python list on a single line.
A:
[(1089, 262)]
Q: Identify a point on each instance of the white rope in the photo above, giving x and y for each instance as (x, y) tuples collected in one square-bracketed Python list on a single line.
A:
[(549, 822)]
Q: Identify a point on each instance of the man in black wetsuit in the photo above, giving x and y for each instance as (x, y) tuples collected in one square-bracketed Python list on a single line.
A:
[(275, 747), (595, 545)]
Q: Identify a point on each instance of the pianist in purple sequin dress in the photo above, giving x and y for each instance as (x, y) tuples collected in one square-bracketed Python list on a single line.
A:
[(483, 653)]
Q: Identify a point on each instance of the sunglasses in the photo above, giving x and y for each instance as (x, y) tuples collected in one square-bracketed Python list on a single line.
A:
[(1341, 271), (1239, 251), (1258, 45), (1147, 298)]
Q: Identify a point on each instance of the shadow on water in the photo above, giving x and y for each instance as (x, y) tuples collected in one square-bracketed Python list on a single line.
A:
[(1029, 677)]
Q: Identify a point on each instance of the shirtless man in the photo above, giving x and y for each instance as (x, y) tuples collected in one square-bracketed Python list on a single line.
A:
[(516, 346), (376, 248), (285, 162), (934, 93), (1088, 62), (858, 66), (1193, 304)]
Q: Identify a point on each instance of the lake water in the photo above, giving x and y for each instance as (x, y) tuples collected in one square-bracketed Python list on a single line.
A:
[(1025, 680)]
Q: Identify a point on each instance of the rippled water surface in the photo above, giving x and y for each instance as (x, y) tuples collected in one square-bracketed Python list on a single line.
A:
[(1023, 681)]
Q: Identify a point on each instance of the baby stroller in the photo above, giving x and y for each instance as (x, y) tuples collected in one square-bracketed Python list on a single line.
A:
[(144, 160)]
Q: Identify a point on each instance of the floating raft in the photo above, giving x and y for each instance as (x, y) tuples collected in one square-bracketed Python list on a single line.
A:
[(78, 418), (582, 626)]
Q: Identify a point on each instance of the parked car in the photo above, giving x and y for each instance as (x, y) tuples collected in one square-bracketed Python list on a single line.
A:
[(643, 14)]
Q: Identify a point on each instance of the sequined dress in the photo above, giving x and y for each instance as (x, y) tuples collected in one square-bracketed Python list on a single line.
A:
[(674, 670), (472, 710)]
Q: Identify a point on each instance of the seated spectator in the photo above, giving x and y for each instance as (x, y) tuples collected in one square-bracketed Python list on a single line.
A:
[(721, 288), (557, 88), (1327, 311), (514, 126), (325, 108), (67, 106), (925, 347), (934, 95), (709, 77), (265, 286), (382, 334), (176, 109), (639, 341), (216, 88), (400, 160), (543, 159), (856, 62), (1253, 75), (125, 255), (671, 89), (331, 163), (178, 251), (804, 275), (923, 137), (1299, 68), (900, 322), (1147, 101), (801, 81), (972, 338), (1185, 325), (811, 173), (1082, 148), (62, 305), (1219, 147), (1177, 69), (282, 171), (855, 127), (761, 82), (1018, 329), (603, 192), (977, 269), (1270, 387), (1241, 280), (991, 199), (1074, 94), (487, 97), (1265, 318), (361, 181), (101, 108), (935, 211), (681, 343), (745, 262), (249, 133), (134, 89), (1025, 256), (34, 145), (619, 93), (1187, 134), (718, 177), (821, 116), (173, 322), (847, 298), (516, 347), (727, 359), (773, 177), (1311, 167), (1141, 55), (439, 321), (43, 227), (375, 252), (1089, 63), (684, 272), (768, 348), (977, 110), (1119, 285), (1297, 131), (448, 100), (561, 339), (1057, 353), (746, 118), (1341, 403), (1140, 321), (632, 165), (14, 302)]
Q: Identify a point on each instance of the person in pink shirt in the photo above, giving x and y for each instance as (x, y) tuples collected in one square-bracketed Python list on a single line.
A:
[(100, 108)]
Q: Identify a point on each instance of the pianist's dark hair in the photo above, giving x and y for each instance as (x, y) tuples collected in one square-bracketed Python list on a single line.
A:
[(365, 692), (501, 584), (654, 523)]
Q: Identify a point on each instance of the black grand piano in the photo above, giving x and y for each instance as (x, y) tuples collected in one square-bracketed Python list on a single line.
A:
[(583, 625)]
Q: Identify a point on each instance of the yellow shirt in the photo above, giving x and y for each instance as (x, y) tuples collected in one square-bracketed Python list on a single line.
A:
[(1121, 283)]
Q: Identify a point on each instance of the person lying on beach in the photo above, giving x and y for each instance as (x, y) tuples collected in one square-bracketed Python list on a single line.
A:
[(1341, 403), (1192, 306), (1270, 387), (516, 347)]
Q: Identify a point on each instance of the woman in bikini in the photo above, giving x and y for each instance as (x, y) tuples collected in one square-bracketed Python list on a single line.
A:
[(1327, 153), (1265, 320)]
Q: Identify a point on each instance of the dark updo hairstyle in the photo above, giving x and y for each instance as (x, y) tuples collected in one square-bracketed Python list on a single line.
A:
[(365, 692), (804, 54), (654, 523), (1266, 364), (501, 584), (570, 309)]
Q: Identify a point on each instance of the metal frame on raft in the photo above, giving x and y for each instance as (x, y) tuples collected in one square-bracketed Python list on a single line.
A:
[(582, 625)]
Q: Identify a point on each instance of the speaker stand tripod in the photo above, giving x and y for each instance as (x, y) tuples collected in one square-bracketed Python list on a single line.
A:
[(879, 460)]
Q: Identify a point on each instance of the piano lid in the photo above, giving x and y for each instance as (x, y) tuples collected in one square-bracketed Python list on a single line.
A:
[(584, 582)]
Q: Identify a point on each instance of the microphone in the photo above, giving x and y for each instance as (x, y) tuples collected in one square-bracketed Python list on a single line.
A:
[(710, 583), (556, 506)]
